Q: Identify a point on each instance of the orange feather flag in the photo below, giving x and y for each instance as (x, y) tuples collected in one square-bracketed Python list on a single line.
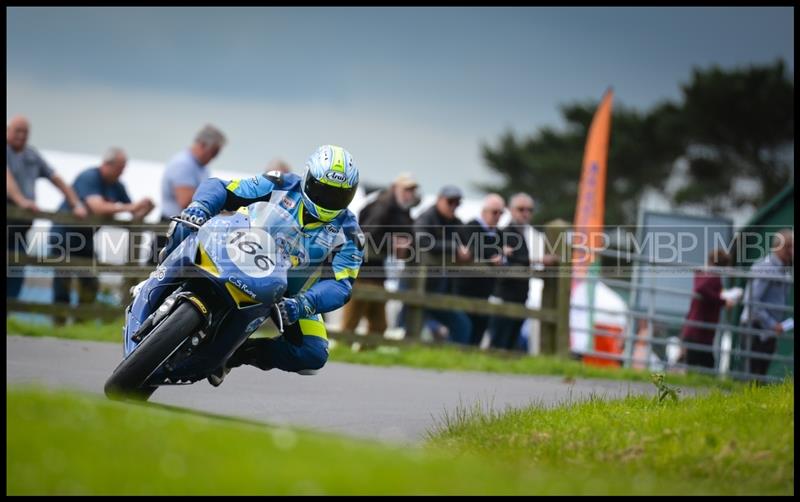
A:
[(590, 210)]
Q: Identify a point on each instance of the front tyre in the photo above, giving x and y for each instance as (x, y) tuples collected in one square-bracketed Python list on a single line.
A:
[(128, 379)]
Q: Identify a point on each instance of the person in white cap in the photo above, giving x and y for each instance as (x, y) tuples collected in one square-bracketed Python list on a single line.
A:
[(387, 226)]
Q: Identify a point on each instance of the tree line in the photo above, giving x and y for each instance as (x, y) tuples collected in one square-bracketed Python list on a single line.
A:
[(729, 125)]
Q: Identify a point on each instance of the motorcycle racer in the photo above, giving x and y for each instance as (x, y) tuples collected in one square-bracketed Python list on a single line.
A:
[(327, 269)]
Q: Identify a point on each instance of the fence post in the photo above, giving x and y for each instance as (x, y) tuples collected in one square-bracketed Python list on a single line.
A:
[(414, 314), (547, 341), (651, 332), (556, 291)]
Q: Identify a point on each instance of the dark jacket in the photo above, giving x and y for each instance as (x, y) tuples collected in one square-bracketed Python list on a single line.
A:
[(379, 220), (514, 289), (438, 233), (484, 244), (704, 309)]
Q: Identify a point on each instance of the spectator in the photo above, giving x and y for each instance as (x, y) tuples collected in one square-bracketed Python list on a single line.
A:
[(767, 290), (484, 237), (102, 193), (279, 165), (187, 170), (184, 173), (705, 308), (439, 235), (505, 331), (387, 226), (24, 166)]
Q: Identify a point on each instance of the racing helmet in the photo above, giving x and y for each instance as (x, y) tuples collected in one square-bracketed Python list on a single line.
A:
[(329, 182)]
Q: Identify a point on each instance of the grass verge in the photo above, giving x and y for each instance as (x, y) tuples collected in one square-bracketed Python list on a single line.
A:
[(69, 443), (721, 443), (739, 443)]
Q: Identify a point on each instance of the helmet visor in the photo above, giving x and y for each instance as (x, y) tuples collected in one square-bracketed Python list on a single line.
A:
[(328, 196)]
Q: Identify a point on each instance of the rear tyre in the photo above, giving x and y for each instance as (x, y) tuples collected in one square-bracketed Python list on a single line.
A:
[(128, 379)]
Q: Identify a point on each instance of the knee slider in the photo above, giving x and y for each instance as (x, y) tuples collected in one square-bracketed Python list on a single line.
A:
[(316, 360), (314, 356)]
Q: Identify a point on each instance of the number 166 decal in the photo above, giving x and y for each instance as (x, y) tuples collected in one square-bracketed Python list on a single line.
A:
[(252, 251)]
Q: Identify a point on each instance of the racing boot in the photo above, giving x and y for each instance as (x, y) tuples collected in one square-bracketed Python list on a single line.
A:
[(245, 354), (218, 375)]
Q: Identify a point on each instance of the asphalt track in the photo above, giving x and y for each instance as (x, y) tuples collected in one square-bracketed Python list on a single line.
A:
[(393, 404)]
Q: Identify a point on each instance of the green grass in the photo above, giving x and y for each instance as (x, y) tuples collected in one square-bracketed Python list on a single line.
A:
[(720, 443), (77, 444), (108, 331), (727, 443), (416, 356)]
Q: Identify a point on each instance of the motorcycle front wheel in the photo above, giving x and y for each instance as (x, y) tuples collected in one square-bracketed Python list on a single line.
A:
[(128, 379)]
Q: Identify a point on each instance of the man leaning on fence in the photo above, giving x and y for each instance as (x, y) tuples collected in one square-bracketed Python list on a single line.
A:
[(24, 166), (767, 290), (103, 194)]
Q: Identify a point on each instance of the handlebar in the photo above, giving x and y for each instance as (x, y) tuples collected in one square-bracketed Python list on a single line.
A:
[(187, 223)]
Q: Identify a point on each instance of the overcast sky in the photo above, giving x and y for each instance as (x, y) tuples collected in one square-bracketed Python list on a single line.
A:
[(414, 89)]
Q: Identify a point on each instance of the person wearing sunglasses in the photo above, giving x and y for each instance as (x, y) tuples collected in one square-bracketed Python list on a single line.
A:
[(478, 279), (505, 331), (440, 239)]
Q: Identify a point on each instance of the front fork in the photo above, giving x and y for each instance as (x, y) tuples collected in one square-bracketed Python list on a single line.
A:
[(166, 308)]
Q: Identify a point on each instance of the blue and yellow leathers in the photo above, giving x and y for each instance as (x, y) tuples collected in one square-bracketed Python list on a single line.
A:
[(324, 269)]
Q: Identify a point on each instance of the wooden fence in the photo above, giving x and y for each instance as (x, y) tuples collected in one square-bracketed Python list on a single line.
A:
[(553, 315)]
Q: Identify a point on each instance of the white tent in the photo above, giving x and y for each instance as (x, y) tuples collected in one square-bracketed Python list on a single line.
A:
[(605, 298)]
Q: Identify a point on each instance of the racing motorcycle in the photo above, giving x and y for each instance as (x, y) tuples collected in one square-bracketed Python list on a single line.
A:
[(205, 298)]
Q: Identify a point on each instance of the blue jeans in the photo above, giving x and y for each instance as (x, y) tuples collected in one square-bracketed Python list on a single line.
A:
[(457, 323), (15, 236), (13, 286), (479, 324), (87, 289), (505, 332)]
